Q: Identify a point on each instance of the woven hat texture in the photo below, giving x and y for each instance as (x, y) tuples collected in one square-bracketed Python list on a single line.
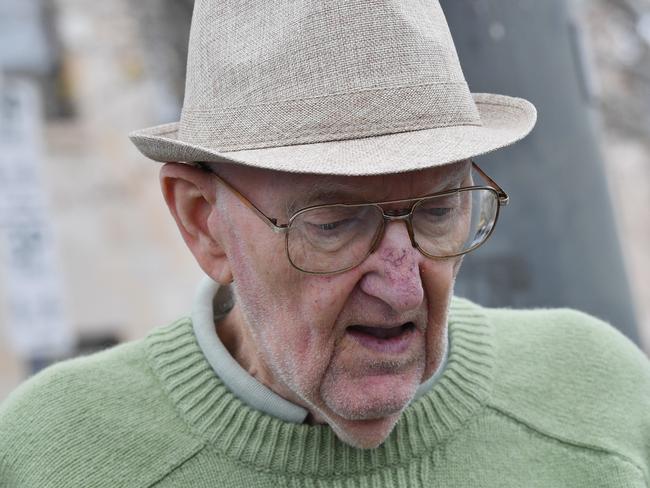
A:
[(333, 87)]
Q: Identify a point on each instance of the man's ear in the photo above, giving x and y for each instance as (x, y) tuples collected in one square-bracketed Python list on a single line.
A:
[(190, 194)]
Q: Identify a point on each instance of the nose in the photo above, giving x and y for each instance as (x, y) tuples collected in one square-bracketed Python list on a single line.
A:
[(392, 271)]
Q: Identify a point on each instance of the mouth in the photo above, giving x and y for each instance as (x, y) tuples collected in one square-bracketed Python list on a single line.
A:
[(383, 339)]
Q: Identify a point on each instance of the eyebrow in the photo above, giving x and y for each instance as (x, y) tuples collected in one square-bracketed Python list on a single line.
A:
[(327, 191), (455, 177), (322, 192)]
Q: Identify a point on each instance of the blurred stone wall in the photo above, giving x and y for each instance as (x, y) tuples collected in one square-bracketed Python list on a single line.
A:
[(164, 31), (125, 268), (121, 250)]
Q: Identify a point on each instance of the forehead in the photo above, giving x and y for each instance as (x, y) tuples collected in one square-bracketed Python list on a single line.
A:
[(294, 191)]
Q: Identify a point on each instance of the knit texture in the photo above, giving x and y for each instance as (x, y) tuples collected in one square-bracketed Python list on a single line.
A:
[(528, 398)]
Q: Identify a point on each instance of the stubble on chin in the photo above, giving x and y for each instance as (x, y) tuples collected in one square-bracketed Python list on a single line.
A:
[(339, 396)]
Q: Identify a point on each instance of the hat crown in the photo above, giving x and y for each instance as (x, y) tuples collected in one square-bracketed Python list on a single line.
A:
[(247, 52), (278, 72)]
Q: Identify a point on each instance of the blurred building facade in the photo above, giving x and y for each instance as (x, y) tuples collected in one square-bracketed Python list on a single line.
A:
[(124, 268), (557, 243), (117, 66), (618, 35)]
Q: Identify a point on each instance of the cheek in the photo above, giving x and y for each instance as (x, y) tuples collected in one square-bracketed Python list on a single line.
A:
[(292, 315), (322, 294), (438, 278), (315, 307), (309, 337), (257, 263)]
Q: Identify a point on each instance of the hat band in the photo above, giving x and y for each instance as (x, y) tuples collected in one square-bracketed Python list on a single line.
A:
[(365, 113)]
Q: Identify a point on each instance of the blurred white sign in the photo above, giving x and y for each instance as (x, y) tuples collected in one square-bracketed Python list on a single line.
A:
[(35, 322)]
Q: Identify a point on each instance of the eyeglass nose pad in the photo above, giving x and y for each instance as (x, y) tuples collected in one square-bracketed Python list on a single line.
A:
[(380, 232), (378, 237), (406, 217), (409, 228)]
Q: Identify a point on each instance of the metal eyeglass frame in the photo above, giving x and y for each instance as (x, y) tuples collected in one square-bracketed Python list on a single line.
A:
[(388, 216)]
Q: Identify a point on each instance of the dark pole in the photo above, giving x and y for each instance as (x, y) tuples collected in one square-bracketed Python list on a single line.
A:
[(556, 244)]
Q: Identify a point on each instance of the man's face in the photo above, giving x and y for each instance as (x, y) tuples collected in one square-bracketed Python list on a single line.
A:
[(352, 347)]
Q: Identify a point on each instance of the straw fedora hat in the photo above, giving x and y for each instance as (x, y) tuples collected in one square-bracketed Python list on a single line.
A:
[(340, 87)]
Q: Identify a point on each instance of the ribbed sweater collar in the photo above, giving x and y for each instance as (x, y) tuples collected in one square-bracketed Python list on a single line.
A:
[(266, 443)]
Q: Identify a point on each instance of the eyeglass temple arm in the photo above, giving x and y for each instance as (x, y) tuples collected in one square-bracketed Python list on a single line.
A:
[(504, 199), (272, 223)]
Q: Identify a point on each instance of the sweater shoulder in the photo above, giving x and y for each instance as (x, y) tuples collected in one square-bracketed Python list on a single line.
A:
[(574, 378), (100, 420)]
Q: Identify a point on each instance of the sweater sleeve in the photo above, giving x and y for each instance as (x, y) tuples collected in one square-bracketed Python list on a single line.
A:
[(577, 380), (97, 421)]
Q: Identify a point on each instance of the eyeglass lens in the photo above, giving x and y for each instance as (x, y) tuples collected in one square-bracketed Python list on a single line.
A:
[(336, 237)]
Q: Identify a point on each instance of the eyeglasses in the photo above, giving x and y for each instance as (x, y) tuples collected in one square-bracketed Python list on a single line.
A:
[(333, 238)]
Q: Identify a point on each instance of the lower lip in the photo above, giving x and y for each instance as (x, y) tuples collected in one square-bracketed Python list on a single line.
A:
[(394, 345)]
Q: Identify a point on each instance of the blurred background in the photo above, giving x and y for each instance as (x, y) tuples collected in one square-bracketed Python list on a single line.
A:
[(89, 256)]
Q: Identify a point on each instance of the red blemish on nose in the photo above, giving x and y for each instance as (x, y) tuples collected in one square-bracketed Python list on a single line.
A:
[(399, 283), (393, 257)]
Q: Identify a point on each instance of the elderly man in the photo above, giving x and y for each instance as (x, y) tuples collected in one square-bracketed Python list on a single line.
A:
[(322, 177)]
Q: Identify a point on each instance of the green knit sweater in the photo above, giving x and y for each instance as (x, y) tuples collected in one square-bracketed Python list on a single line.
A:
[(528, 399)]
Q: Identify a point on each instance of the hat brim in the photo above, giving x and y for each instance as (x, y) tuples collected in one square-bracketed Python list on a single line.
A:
[(505, 120)]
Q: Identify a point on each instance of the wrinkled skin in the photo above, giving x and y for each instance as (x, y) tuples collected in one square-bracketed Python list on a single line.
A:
[(288, 328)]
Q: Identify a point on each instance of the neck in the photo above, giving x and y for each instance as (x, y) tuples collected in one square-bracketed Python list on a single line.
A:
[(237, 338)]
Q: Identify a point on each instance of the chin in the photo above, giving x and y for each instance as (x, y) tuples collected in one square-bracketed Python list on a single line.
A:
[(365, 421), (365, 434), (370, 409), (371, 397)]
